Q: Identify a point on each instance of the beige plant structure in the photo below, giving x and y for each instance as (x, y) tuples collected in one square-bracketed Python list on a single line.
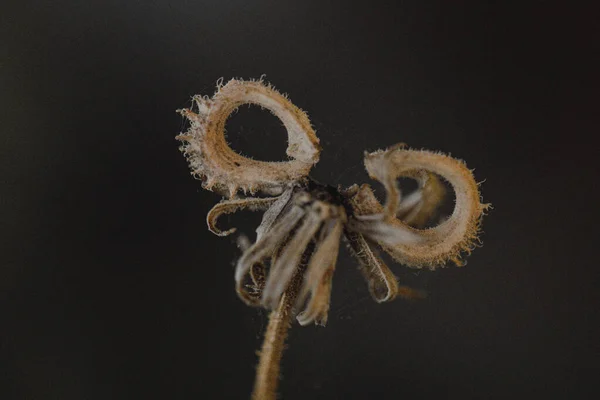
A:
[(290, 265)]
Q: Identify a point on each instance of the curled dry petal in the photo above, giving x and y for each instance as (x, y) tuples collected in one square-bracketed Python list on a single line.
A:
[(382, 283), (264, 248), (231, 206), (417, 208), (434, 246), (289, 259), (257, 274), (273, 213), (225, 171), (318, 276)]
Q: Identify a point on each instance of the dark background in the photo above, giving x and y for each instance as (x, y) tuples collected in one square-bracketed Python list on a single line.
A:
[(111, 287)]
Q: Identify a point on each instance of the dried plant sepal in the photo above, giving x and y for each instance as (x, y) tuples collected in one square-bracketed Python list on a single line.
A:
[(381, 282), (251, 293), (317, 310), (286, 264), (227, 172), (370, 216), (419, 207), (437, 245), (266, 246), (231, 206), (249, 297), (319, 273), (273, 213)]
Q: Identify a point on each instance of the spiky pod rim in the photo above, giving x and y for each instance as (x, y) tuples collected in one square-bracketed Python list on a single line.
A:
[(431, 247), (227, 172)]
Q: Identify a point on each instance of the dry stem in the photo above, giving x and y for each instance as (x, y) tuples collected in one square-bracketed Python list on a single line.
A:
[(267, 374)]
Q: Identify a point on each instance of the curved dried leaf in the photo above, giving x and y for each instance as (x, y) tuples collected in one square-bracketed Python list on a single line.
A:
[(231, 206), (287, 262), (318, 276), (264, 248), (225, 171), (251, 293), (428, 247), (382, 283), (273, 213)]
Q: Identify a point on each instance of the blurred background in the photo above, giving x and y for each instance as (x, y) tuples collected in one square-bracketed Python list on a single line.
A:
[(111, 287)]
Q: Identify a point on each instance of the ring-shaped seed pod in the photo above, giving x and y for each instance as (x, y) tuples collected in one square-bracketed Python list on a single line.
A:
[(225, 171), (423, 247)]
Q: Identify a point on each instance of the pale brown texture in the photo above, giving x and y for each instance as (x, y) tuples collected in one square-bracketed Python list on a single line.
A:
[(227, 172), (291, 263), (429, 247)]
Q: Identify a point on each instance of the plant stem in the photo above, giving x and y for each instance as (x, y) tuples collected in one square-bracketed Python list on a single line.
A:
[(267, 373)]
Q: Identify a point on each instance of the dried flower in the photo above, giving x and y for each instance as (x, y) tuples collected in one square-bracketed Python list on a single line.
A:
[(291, 263)]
